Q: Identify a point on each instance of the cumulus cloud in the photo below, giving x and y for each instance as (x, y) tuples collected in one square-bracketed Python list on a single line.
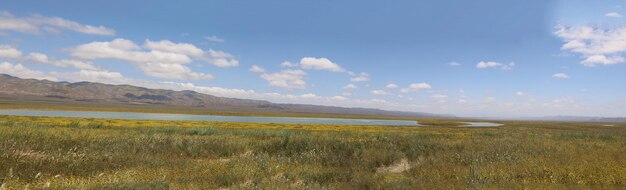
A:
[(361, 77), (288, 64), (493, 64), (602, 59), (350, 86), (320, 64), (596, 45), (101, 75), (256, 69), (391, 86), (613, 14), (37, 24), (339, 98), (163, 59), (217, 58), (38, 57), (82, 65), (172, 71), (168, 46), (9, 52), (21, 71), (220, 58), (379, 92), (520, 93), (126, 50), (286, 79), (414, 87), (560, 75), (44, 59)]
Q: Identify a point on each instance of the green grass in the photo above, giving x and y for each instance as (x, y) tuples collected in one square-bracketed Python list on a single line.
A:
[(70, 153)]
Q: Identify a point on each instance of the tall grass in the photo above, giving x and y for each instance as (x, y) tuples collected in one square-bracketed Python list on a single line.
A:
[(66, 153)]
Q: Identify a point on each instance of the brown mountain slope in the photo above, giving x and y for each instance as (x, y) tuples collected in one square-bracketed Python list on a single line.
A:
[(98, 92)]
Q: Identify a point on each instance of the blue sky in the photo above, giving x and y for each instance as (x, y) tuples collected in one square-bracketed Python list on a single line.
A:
[(479, 58)]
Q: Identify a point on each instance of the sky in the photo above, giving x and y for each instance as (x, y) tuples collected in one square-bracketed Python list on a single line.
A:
[(484, 58)]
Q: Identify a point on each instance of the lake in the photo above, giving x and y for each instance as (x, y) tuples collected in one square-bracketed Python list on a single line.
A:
[(481, 124), (161, 116)]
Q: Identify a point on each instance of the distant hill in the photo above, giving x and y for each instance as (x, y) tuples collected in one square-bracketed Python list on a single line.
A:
[(579, 119), (133, 95)]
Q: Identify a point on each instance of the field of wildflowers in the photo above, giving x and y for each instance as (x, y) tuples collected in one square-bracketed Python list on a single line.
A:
[(70, 153)]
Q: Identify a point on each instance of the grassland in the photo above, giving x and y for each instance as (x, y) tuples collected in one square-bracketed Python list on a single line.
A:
[(66, 153)]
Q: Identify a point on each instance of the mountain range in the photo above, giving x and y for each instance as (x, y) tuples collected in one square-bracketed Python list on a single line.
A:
[(11, 86)]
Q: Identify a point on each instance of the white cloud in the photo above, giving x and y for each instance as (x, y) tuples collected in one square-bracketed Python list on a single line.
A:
[(320, 64), (163, 59), (126, 50), (493, 64), (9, 52), (37, 24), (38, 57), (217, 58), (256, 69), (361, 77), (391, 85), (309, 95), (220, 58), (602, 59), (416, 87), (595, 44), (454, 64), (214, 38), (180, 48), (560, 75), (339, 98), (91, 75), (172, 71), (487, 64), (350, 86), (44, 59), (520, 93), (288, 64), (613, 14), (286, 79), (82, 65), (19, 70), (379, 92)]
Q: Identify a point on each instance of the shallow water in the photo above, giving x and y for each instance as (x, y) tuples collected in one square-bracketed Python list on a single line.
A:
[(481, 124), (159, 116)]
